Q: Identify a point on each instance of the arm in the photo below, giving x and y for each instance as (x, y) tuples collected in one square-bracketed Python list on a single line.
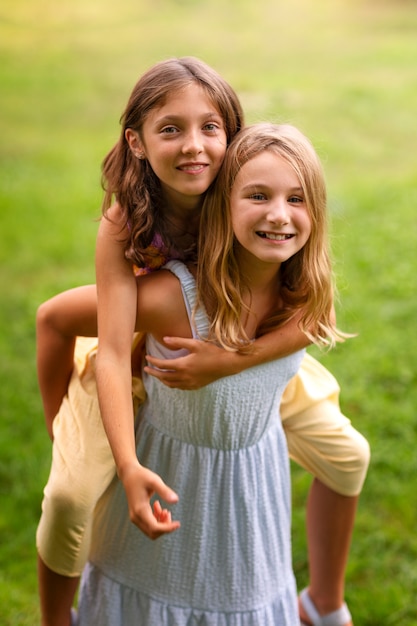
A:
[(117, 305), (207, 362), (58, 322)]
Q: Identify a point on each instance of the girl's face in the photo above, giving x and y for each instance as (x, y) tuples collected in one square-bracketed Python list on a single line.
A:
[(185, 142), (269, 214)]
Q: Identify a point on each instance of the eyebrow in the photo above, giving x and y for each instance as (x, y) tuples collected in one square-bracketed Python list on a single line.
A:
[(179, 118), (250, 186)]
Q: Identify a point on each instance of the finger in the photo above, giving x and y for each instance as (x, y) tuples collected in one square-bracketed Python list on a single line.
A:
[(164, 528), (157, 510), (164, 364), (165, 377), (177, 343), (153, 528), (162, 515), (154, 521), (171, 380), (157, 373)]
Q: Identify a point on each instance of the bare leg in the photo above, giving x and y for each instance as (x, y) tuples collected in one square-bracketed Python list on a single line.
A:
[(330, 521), (57, 595)]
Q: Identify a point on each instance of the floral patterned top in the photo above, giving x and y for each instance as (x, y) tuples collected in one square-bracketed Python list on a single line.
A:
[(159, 255)]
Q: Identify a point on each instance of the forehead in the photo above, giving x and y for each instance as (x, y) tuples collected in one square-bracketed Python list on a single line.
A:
[(267, 168), (188, 100)]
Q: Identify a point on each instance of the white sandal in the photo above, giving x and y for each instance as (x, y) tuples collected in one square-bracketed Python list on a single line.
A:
[(340, 617)]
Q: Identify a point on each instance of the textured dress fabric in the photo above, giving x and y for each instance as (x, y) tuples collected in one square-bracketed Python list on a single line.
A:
[(223, 450)]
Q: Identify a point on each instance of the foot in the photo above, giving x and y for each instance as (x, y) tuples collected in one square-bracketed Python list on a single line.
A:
[(310, 615)]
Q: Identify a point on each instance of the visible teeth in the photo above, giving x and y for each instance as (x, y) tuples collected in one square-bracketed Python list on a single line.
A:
[(273, 236), (192, 168)]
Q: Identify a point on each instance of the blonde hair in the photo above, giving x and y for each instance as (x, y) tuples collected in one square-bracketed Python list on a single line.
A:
[(305, 280), (132, 181)]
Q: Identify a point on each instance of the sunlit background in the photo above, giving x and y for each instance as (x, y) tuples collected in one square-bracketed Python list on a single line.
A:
[(345, 72)]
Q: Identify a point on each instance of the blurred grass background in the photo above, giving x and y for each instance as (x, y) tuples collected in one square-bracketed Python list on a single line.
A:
[(345, 72)]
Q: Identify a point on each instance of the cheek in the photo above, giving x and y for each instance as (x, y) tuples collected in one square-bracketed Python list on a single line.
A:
[(158, 160), (235, 227), (241, 232), (306, 225), (220, 148), (234, 212), (307, 233)]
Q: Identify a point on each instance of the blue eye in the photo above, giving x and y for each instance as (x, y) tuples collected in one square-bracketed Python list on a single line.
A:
[(295, 199), (257, 196)]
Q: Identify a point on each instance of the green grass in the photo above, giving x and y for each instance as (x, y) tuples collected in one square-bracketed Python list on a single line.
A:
[(343, 71)]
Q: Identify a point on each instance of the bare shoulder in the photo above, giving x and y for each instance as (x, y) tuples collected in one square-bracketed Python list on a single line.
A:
[(115, 214), (113, 221), (161, 309)]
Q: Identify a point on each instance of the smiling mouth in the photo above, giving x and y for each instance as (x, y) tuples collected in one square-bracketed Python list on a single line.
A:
[(192, 167), (273, 236)]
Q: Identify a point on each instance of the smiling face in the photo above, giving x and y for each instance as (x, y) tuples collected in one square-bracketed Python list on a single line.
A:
[(269, 214), (184, 141)]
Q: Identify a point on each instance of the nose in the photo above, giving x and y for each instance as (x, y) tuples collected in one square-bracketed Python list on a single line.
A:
[(192, 142), (278, 211)]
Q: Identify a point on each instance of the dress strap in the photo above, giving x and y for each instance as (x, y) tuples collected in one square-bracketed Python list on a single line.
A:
[(198, 319)]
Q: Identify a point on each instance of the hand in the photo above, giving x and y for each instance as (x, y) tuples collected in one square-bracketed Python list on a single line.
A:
[(140, 485), (204, 364)]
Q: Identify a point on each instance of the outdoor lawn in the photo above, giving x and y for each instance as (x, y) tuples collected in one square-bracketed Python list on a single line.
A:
[(345, 72)]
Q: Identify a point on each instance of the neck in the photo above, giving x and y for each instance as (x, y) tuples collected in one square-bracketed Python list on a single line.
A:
[(262, 281), (258, 275), (183, 217)]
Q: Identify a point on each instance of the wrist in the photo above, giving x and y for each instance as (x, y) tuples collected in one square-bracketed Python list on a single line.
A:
[(232, 363), (127, 468)]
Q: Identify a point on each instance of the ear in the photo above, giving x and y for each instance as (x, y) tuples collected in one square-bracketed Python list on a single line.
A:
[(135, 143)]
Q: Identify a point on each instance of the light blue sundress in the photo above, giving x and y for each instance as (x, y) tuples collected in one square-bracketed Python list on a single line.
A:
[(223, 450)]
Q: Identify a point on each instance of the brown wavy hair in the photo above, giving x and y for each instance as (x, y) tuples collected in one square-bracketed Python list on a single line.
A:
[(131, 181)]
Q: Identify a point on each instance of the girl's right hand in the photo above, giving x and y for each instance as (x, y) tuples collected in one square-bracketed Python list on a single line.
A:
[(204, 363), (140, 485)]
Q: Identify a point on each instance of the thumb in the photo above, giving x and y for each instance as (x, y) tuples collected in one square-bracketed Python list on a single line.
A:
[(166, 493)]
